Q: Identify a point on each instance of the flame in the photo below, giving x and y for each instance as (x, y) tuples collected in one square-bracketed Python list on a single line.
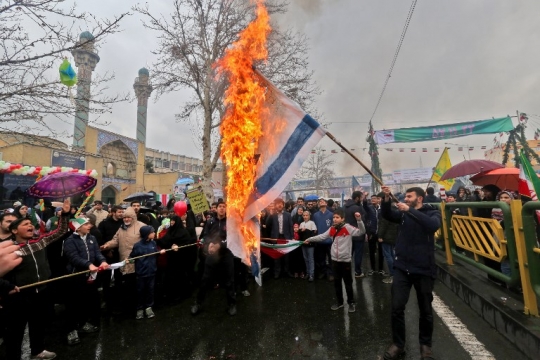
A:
[(241, 126)]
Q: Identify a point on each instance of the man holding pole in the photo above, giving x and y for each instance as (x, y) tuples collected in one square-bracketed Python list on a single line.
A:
[(29, 306), (414, 265)]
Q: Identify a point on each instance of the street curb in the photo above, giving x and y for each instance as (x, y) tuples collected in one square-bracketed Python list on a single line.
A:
[(494, 305)]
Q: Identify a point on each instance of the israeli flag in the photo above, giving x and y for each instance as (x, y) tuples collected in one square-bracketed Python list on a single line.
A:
[(289, 136)]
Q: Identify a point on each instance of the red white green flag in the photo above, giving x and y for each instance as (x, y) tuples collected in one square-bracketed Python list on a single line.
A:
[(164, 198), (278, 248), (529, 183)]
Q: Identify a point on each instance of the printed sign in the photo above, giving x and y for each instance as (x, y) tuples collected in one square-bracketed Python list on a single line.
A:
[(61, 158), (198, 201), (419, 174)]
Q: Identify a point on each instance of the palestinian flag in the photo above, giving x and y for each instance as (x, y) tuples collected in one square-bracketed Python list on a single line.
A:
[(278, 248)]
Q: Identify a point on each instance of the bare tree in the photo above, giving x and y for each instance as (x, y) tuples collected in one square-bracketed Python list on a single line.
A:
[(319, 167), (193, 37), (34, 37)]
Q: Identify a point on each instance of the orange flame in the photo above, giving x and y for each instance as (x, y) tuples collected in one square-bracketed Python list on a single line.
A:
[(241, 127)]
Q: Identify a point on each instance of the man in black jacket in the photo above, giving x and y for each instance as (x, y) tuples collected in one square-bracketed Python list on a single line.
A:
[(108, 228), (219, 261), (280, 225), (351, 207), (414, 265), (30, 306)]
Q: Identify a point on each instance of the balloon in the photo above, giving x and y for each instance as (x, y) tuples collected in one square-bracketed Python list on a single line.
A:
[(180, 208), (68, 76)]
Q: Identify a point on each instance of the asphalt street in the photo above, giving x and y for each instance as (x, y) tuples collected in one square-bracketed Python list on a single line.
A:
[(283, 319)]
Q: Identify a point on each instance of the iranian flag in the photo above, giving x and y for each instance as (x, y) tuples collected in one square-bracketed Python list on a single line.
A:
[(529, 183), (278, 248), (164, 198)]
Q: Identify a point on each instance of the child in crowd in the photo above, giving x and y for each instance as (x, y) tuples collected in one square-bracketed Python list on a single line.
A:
[(341, 234), (81, 250), (145, 268), (308, 229)]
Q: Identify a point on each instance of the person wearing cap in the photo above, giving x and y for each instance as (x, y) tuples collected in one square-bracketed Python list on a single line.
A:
[(52, 223), (125, 238), (100, 213), (30, 306), (83, 303)]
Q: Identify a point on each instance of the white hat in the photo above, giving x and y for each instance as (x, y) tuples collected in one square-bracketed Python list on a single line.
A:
[(75, 224), (17, 203)]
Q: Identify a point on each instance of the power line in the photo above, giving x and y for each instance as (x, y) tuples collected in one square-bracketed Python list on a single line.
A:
[(409, 16)]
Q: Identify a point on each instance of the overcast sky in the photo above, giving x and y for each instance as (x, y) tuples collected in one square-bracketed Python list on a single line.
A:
[(461, 60)]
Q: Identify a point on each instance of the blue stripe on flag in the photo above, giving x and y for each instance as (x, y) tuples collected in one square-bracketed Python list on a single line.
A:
[(275, 171)]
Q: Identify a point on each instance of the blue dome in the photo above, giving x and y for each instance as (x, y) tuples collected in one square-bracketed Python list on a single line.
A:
[(144, 71), (86, 35)]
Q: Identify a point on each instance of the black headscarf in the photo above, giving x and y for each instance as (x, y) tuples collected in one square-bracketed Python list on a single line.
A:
[(176, 234)]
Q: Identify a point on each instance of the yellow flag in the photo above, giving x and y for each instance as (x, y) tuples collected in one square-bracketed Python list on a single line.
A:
[(442, 166)]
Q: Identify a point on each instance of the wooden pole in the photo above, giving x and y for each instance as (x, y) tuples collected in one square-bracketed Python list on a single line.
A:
[(359, 162)]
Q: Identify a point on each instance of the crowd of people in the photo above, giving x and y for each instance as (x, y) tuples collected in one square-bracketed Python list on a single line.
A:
[(120, 261)]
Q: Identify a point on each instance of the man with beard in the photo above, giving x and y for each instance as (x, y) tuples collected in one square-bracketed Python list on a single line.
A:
[(127, 235), (108, 228), (352, 206), (5, 220), (414, 265)]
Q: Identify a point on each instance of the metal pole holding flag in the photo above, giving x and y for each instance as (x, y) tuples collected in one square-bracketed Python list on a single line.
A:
[(359, 162)]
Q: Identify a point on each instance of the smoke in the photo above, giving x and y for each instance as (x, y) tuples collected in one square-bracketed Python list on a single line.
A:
[(312, 7)]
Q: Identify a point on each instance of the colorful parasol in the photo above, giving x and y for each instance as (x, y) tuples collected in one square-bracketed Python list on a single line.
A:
[(469, 167), (61, 185), (506, 178)]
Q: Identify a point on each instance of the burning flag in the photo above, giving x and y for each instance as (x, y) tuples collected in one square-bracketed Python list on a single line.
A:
[(265, 139)]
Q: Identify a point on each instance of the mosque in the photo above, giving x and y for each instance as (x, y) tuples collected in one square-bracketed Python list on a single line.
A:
[(122, 162)]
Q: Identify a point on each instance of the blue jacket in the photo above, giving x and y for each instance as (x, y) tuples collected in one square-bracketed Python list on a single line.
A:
[(415, 241), (146, 266), (82, 253), (323, 221)]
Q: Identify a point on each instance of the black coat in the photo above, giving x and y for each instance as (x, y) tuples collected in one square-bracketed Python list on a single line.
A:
[(82, 253), (108, 228), (272, 224), (415, 241)]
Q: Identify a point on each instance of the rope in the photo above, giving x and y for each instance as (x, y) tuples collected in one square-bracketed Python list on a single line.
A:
[(87, 271), (400, 43)]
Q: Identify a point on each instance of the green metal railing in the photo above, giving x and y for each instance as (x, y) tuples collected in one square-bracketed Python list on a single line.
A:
[(531, 244)]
